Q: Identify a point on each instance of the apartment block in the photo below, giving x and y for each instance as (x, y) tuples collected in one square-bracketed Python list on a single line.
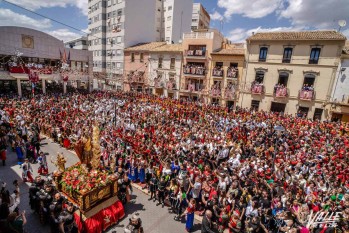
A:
[(117, 24), (177, 18), (200, 17), (79, 43), (291, 72), (197, 49)]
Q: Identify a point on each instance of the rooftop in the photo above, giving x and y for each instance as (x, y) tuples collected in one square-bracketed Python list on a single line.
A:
[(303, 35), (168, 48), (145, 46), (230, 51)]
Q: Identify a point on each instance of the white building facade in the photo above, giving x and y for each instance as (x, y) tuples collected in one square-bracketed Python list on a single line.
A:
[(79, 43), (117, 24), (340, 92), (200, 17), (165, 67), (177, 18)]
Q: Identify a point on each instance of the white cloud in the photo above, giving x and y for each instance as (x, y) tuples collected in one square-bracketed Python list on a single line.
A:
[(249, 8), (216, 16), (64, 34), (38, 4), (240, 34), (315, 13), (10, 18)]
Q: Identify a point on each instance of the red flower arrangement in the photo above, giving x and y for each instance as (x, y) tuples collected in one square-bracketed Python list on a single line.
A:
[(78, 179)]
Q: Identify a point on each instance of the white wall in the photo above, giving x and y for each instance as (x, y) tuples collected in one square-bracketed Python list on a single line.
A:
[(140, 21), (341, 86), (45, 45), (181, 22)]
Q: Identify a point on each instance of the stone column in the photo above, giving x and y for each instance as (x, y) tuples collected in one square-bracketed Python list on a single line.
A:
[(43, 86), (165, 92), (19, 87)]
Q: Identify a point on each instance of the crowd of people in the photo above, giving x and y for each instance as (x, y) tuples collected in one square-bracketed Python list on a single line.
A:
[(234, 167)]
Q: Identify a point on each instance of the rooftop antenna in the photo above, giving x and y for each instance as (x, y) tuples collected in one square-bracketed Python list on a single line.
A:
[(222, 24), (341, 23)]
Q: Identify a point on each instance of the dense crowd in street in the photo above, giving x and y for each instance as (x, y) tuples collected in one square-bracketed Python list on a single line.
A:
[(243, 170)]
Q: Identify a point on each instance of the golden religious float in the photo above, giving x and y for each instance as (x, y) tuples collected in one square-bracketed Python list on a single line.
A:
[(86, 184)]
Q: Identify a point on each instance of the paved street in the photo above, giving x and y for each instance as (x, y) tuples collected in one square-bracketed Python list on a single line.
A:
[(155, 219)]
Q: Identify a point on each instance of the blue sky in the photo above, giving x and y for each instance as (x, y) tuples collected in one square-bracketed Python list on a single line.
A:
[(240, 17)]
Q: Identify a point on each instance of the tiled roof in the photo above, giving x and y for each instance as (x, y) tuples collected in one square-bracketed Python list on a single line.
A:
[(303, 35), (232, 51), (145, 46), (168, 48)]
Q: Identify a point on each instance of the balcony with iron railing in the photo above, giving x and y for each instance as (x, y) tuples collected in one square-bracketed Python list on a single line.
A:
[(192, 88), (217, 72), (232, 72), (280, 91), (195, 54), (229, 92), (216, 91), (194, 70), (257, 88), (171, 86), (306, 94), (136, 77)]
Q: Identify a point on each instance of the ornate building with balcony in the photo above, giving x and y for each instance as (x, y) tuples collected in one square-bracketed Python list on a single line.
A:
[(197, 48), (340, 93), (165, 67), (291, 72), (137, 65), (226, 68)]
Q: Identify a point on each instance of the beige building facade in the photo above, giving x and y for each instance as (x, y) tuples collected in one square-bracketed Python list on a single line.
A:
[(197, 48), (136, 72), (165, 67), (225, 74), (291, 72)]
